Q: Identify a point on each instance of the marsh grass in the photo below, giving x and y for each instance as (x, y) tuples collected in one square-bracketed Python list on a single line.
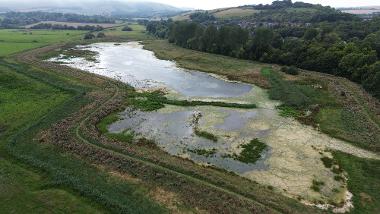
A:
[(251, 152)]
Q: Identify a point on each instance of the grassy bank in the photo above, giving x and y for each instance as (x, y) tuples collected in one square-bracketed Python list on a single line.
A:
[(363, 181)]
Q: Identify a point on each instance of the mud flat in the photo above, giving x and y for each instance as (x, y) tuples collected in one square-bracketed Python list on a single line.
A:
[(292, 162)]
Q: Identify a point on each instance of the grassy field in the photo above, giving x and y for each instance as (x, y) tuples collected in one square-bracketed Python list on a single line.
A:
[(234, 13), (15, 40), (22, 101), (138, 33)]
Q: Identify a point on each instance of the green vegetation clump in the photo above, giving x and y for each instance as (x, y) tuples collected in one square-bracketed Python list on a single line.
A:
[(206, 135), (203, 152), (328, 162), (101, 35), (288, 111), (126, 136), (72, 53), (203, 103), (316, 186), (146, 101), (290, 70), (127, 28), (251, 151), (89, 36)]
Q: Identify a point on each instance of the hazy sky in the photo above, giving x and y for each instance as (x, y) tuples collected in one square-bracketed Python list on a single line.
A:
[(199, 4)]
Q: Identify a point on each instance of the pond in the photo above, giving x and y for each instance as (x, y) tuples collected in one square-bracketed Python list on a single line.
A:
[(130, 63)]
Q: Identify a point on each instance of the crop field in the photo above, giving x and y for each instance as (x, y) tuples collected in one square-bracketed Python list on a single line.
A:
[(15, 40)]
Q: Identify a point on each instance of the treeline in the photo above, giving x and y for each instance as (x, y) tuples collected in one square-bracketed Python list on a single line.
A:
[(319, 48), (202, 17), (18, 19), (66, 27)]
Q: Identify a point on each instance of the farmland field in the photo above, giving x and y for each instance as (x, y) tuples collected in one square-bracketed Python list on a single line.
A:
[(16, 40)]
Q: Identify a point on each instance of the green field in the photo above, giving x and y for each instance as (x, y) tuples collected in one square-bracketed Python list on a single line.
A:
[(14, 40), (138, 33), (234, 13)]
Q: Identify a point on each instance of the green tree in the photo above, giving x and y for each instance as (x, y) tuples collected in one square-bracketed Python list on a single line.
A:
[(210, 39), (371, 80), (261, 42)]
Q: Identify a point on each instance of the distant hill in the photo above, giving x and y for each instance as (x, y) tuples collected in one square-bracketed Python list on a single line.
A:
[(117, 8), (277, 12)]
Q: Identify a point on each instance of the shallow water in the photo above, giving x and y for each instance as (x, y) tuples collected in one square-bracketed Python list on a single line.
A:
[(173, 131), (131, 64)]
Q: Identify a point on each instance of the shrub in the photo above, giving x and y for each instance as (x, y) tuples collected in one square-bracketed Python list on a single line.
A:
[(317, 185), (127, 28), (101, 35), (89, 36), (328, 162), (290, 70)]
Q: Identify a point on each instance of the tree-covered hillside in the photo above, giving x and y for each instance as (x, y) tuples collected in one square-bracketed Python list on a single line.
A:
[(330, 41)]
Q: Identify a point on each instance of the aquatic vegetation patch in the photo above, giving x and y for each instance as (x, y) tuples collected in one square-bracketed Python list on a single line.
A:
[(151, 101), (86, 54), (251, 152), (206, 135), (203, 152)]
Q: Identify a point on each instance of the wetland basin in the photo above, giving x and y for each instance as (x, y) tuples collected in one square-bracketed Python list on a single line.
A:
[(290, 164)]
